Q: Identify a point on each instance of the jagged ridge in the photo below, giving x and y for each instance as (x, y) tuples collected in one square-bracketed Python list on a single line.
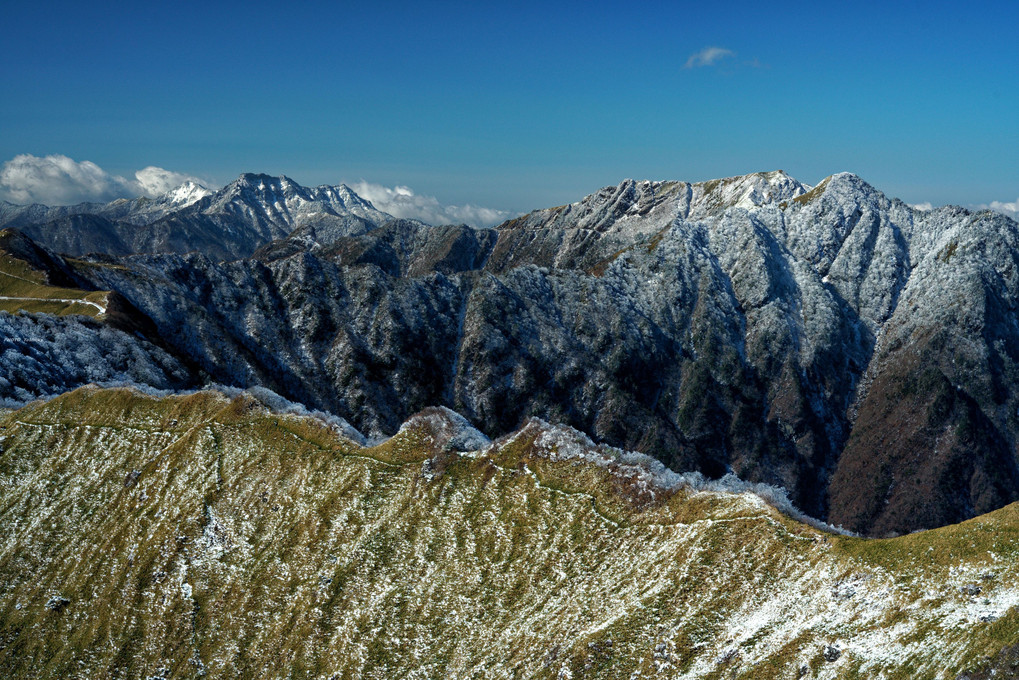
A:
[(227, 224)]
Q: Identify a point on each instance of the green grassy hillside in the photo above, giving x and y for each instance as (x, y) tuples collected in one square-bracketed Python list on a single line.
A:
[(197, 535), (24, 288)]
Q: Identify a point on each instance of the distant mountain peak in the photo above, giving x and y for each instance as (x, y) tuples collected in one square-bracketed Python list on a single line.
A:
[(282, 201), (750, 191), (187, 194)]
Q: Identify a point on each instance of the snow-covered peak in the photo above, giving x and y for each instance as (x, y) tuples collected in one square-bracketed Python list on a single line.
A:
[(285, 204), (843, 191), (745, 191), (341, 193), (186, 194), (257, 184)]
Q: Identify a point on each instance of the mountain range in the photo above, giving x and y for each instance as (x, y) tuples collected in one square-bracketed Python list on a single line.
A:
[(856, 351), (226, 224)]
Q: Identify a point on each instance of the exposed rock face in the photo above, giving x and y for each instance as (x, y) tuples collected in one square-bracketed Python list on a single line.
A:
[(856, 351), (205, 536), (1004, 666)]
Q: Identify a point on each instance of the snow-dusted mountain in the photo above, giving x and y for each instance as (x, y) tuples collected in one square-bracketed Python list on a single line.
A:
[(135, 211), (827, 339), (281, 202), (230, 223), (143, 211), (585, 233)]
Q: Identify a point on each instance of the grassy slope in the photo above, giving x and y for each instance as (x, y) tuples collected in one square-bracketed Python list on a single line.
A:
[(196, 534), (19, 280)]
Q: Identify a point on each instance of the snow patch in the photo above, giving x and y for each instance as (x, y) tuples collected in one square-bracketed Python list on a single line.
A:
[(186, 194)]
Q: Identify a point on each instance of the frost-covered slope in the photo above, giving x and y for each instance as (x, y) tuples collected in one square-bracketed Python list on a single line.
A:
[(55, 337), (213, 537), (596, 229)]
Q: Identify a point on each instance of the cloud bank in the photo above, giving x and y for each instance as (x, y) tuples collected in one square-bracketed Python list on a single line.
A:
[(1010, 209), (59, 180), (1003, 207), (401, 201), (709, 56)]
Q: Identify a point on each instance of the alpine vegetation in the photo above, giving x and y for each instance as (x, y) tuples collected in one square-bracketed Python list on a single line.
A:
[(209, 536)]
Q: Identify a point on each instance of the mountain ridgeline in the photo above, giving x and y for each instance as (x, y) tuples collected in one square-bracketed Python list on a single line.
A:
[(852, 349), (226, 224), (206, 536)]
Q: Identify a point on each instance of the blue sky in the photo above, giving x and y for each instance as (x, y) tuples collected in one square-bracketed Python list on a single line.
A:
[(521, 106)]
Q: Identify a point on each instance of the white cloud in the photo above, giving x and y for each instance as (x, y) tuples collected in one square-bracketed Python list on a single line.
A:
[(401, 201), (59, 180), (155, 181), (926, 206), (709, 56), (1010, 209)]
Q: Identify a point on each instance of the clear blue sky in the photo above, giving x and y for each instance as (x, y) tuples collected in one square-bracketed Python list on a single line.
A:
[(520, 106)]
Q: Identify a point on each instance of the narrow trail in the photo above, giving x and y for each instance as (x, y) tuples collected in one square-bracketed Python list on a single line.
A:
[(21, 278), (102, 310)]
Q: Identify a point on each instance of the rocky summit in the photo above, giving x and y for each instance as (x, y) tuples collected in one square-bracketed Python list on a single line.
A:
[(856, 351)]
